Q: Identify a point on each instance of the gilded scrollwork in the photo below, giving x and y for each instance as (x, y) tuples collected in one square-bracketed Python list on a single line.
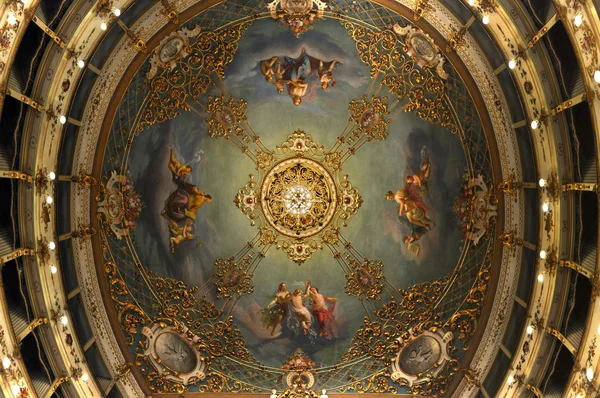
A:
[(232, 278), (364, 281), (297, 15), (247, 200), (225, 117), (404, 77), (369, 117), (119, 204), (299, 197), (185, 78)]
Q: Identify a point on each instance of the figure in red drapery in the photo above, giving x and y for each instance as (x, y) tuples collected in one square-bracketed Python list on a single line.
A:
[(323, 308)]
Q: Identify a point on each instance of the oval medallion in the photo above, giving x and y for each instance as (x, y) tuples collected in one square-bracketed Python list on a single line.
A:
[(171, 49), (420, 355), (175, 353), (423, 47)]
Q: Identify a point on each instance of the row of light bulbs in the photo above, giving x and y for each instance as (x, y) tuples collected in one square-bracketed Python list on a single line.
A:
[(103, 24), (589, 373), (486, 18), (578, 20), (51, 244)]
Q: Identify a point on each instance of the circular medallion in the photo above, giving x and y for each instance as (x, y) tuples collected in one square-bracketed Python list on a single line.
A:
[(420, 355), (175, 353), (299, 197)]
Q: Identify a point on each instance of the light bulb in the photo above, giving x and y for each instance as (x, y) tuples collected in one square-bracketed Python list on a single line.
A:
[(529, 329), (485, 19), (598, 329), (512, 63), (12, 19), (62, 119), (542, 182), (597, 76), (81, 63), (510, 379), (85, 377), (589, 373), (6, 362), (471, 3), (117, 12), (578, 19), (51, 245), (545, 207), (49, 200), (51, 175), (543, 254), (53, 269), (540, 278), (103, 25), (535, 124), (578, 396), (64, 320), (16, 390)]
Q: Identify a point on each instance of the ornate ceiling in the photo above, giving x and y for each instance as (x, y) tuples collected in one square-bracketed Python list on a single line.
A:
[(299, 198)]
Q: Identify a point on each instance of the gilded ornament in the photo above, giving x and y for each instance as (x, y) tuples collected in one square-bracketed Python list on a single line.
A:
[(422, 48), (369, 118), (421, 357), (297, 15), (365, 279), (172, 49), (171, 351), (232, 278), (299, 197), (210, 52)]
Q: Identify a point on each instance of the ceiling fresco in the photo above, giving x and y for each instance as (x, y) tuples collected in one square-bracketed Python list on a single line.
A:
[(297, 199)]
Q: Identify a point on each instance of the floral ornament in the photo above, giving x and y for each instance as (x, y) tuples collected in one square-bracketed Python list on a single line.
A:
[(120, 204), (462, 207), (298, 16), (474, 208), (299, 360), (133, 205)]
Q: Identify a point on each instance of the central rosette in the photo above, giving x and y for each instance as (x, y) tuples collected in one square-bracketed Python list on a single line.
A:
[(298, 197)]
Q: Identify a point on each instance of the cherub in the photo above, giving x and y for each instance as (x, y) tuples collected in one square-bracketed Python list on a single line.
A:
[(273, 76), (177, 168), (420, 178), (326, 75), (180, 234)]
